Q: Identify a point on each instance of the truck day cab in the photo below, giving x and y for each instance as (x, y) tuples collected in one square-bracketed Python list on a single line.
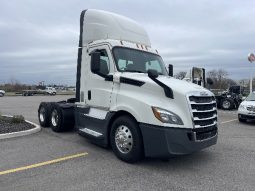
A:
[(126, 99)]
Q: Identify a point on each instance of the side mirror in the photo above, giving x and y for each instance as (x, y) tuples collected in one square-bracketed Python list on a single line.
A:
[(170, 70), (209, 81), (152, 73), (95, 62)]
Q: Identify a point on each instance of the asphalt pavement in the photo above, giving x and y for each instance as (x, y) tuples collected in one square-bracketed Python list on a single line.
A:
[(229, 165)]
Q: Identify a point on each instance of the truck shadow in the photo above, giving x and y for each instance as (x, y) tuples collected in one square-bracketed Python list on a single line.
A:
[(192, 161)]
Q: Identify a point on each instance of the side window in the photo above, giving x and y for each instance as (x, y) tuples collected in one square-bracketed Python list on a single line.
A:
[(104, 62), (155, 65)]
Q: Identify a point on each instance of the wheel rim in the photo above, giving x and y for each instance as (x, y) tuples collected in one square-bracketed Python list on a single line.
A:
[(226, 104), (42, 114), (54, 118), (123, 139)]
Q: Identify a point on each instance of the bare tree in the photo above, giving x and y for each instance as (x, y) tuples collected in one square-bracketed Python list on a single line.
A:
[(220, 80), (222, 76), (180, 75)]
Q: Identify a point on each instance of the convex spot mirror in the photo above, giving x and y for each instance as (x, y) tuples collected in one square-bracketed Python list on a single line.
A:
[(170, 70)]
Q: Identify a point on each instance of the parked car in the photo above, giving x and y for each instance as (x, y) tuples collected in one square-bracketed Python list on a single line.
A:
[(2, 93), (246, 110)]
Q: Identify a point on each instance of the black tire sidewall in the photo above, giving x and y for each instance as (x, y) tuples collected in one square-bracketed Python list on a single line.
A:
[(136, 153), (47, 107), (58, 127)]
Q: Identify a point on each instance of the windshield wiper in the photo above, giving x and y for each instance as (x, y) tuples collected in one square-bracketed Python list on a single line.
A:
[(137, 71)]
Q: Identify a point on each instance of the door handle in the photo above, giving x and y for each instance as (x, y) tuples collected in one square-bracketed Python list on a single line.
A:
[(89, 95)]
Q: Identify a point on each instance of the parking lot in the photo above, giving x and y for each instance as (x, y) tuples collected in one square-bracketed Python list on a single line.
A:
[(229, 165)]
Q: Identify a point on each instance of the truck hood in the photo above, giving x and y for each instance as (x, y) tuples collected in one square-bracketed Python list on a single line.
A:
[(178, 86)]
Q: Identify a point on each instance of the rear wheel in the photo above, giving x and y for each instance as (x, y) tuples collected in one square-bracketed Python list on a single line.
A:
[(56, 119), (126, 139), (44, 114), (61, 119), (227, 104), (1, 95)]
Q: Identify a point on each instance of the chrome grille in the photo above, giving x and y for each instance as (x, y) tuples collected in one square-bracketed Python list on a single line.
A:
[(204, 114), (204, 111)]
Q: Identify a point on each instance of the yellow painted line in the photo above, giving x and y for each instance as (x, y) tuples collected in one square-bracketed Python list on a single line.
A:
[(228, 121), (42, 163)]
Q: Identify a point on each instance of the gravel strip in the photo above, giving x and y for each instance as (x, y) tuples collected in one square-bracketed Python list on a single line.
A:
[(7, 126)]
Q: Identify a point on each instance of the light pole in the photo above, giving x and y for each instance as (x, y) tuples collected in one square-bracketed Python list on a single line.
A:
[(251, 58)]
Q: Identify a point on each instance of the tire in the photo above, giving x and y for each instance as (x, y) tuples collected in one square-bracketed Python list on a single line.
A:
[(61, 119), (128, 129), (241, 120), (56, 119), (1, 95), (44, 114), (227, 104)]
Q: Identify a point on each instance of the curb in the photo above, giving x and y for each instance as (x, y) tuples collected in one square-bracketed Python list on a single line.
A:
[(21, 133)]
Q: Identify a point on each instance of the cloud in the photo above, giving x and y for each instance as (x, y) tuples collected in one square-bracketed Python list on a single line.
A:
[(39, 39)]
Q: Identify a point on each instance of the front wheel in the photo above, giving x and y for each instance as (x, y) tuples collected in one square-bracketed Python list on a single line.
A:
[(126, 139)]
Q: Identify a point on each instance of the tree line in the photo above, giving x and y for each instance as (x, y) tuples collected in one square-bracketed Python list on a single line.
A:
[(220, 79), (15, 86)]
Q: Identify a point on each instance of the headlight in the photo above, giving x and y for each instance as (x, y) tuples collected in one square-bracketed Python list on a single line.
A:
[(166, 116), (242, 107)]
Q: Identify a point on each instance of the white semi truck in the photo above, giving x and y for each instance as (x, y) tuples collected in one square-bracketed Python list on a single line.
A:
[(126, 98)]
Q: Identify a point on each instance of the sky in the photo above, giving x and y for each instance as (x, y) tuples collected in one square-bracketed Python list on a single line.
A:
[(39, 39)]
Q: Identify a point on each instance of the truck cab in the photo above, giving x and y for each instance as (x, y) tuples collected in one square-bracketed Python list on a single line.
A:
[(196, 75), (50, 90), (126, 99)]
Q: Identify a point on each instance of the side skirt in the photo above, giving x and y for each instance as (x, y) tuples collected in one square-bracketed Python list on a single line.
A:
[(93, 124)]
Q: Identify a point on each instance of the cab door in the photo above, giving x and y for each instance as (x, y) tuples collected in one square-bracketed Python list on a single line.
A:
[(98, 90)]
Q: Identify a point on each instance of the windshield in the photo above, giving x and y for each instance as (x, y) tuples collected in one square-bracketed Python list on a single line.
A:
[(251, 97), (131, 60)]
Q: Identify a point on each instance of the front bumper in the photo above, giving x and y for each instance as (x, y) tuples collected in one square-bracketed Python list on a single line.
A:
[(248, 116), (164, 142)]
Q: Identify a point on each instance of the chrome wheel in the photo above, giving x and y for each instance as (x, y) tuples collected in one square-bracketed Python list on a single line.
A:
[(54, 118), (42, 114), (123, 139), (226, 104)]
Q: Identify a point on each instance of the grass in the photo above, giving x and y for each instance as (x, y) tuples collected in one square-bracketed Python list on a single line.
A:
[(14, 119), (18, 119)]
